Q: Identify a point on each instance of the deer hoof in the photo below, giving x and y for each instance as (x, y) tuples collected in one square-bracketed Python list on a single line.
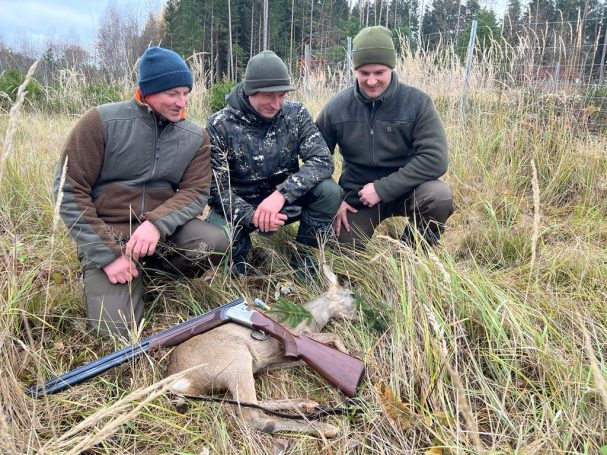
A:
[(326, 430)]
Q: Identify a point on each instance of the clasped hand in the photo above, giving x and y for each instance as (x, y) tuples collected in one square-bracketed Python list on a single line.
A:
[(121, 270), (368, 195), (142, 243), (267, 216)]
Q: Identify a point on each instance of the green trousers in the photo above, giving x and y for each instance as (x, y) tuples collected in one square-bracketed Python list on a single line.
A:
[(117, 309), (428, 207)]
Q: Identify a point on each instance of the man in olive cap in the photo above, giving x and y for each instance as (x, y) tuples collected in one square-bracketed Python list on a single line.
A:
[(258, 141), (132, 178), (393, 146)]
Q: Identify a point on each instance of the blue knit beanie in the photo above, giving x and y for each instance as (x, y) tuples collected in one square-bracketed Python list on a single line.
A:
[(161, 69)]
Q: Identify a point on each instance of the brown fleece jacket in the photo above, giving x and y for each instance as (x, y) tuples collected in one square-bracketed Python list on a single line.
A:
[(122, 169)]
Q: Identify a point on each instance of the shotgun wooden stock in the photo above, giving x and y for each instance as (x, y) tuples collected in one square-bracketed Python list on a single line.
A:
[(340, 369)]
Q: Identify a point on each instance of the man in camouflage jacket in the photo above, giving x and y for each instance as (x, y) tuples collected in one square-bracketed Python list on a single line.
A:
[(258, 141), (132, 178)]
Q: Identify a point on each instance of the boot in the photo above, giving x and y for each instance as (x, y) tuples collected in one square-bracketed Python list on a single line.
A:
[(241, 254), (303, 260), (239, 266), (425, 237)]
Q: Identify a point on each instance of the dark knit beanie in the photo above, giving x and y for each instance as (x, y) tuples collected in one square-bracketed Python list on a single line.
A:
[(162, 69), (266, 72), (373, 45)]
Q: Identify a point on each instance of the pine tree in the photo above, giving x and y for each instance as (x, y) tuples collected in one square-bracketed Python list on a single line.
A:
[(512, 26), (487, 33), (440, 23)]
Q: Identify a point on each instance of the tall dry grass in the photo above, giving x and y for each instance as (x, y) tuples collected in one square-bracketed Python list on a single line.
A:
[(494, 343)]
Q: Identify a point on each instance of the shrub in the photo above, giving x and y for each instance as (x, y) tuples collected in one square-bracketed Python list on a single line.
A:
[(218, 93), (101, 93), (10, 80), (595, 101)]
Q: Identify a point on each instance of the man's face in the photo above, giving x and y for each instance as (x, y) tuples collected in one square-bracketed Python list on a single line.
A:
[(267, 104), (373, 79), (169, 103)]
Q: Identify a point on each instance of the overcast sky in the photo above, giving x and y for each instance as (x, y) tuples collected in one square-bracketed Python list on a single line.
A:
[(38, 21)]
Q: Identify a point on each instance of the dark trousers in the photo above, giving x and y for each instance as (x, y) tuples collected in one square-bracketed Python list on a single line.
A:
[(315, 212), (118, 308), (428, 207)]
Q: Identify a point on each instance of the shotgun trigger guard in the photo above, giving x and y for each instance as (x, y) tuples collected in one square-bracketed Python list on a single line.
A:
[(259, 335)]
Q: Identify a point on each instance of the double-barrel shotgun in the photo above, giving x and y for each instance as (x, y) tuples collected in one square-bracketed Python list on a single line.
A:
[(341, 370)]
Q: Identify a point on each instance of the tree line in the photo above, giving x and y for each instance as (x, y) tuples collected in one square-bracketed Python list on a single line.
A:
[(224, 34)]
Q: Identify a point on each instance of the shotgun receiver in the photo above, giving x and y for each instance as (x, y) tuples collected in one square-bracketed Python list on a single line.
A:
[(341, 370)]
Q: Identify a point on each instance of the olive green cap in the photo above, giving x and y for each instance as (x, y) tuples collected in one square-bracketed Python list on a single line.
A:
[(373, 45)]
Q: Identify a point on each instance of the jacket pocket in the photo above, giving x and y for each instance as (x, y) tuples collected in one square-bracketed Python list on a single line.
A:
[(393, 143), (155, 197), (117, 202)]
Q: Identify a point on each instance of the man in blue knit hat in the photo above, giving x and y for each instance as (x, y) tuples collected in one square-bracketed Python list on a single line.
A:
[(131, 180)]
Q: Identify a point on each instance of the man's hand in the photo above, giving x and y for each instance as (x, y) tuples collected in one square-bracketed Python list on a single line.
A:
[(267, 217), (143, 241), (342, 217), (368, 195), (121, 270)]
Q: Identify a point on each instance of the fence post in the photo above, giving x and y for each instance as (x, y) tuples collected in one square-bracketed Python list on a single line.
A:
[(555, 78), (469, 55), (307, 62), (348, 69)]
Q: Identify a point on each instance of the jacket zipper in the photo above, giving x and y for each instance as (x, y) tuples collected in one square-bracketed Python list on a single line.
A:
[(372, 134), (156, 157), (267, 156)]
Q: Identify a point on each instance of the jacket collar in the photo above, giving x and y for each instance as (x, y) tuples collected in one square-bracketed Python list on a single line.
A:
[(362, 96)]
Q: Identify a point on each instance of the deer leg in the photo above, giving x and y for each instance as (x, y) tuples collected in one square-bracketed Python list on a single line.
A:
[(242, 388), (330, 339), (322, 429), (273, 424), (295, 404)]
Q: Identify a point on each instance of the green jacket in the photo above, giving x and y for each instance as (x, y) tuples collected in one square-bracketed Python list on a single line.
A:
[(396, 141), (125, 166)]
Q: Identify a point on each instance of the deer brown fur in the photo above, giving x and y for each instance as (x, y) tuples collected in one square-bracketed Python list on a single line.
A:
[(229, 357)]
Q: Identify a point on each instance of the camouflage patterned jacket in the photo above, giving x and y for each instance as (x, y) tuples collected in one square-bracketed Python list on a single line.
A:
[(252, 156)]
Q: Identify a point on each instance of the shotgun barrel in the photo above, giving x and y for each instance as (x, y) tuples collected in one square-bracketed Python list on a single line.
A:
[(166, 338), (340, 369)]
